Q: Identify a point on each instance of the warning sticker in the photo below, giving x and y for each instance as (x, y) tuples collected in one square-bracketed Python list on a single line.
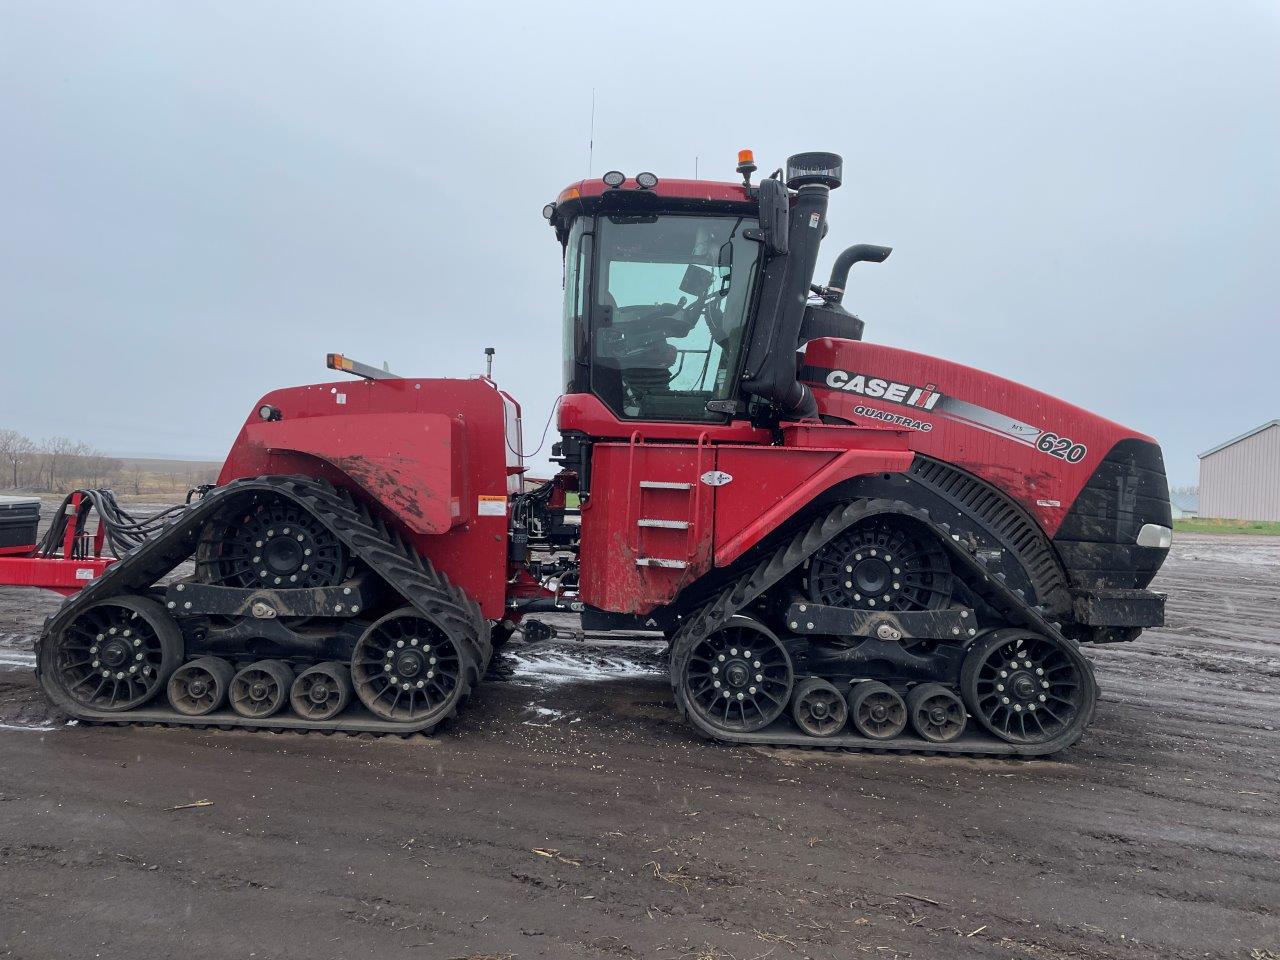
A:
[(492, 507), (84, 573)]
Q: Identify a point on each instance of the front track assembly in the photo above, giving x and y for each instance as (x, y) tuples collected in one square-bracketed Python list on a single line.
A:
[(743, 668), (264, 548)]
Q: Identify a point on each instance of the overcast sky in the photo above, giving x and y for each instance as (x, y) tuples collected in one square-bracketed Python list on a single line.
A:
[(200, 200)]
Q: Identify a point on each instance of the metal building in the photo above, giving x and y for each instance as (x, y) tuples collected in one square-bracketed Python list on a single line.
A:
[(1240, 479)]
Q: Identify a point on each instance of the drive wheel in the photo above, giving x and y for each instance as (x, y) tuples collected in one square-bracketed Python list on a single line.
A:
[(200, 686), (261, 689), (1028, 688), (270, 542), (877, 710), (882, 563), (115, 655), (406, 669), (936, 713), (321, 692), (737, 679)]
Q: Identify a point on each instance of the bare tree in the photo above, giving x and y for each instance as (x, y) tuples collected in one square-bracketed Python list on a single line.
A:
[(15, 452)]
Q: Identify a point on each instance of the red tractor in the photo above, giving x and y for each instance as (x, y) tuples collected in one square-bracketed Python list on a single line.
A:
[(846, 544)]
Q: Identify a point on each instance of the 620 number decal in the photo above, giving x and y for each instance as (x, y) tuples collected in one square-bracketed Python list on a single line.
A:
[(1061, 447)]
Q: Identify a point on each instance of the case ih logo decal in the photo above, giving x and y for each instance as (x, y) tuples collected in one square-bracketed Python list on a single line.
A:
[(926, 398), (929, 398)]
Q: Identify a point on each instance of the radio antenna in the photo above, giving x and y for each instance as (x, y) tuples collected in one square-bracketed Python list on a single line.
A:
[(591, 140)]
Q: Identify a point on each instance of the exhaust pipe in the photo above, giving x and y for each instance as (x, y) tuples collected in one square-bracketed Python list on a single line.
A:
[(858, 253)]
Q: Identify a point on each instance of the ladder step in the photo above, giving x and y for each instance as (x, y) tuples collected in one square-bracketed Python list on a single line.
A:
[(664, 524), (664, 485), (661, 562)]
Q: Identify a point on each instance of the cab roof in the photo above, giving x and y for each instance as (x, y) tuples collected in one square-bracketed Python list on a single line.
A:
[(680, 196)]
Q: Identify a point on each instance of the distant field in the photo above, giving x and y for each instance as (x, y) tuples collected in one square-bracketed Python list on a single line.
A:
[(1260, 528)]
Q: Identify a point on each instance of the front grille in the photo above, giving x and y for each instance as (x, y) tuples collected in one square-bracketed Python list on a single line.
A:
[(1096, 539)]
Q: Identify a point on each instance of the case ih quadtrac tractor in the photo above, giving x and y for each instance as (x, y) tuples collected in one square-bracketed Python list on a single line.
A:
[(846, 544)]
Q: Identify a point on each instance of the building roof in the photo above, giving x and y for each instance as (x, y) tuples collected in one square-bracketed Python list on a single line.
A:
[(1243, 436), (1186, 502)]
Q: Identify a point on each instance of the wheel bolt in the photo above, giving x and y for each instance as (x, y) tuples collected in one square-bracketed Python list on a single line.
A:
[(849, 584), (432, 659), (94, 648), (759, 678), (1018, 707), (1043, 698), (137, 641), (751, 690), (134, 668), (747, 654), (756, 664), (106, 673), (727, 694), (848, 569), (271, 533), (430, 674), (1039, 671), (386, 666), (257, 543), (97, 663), (257, 559), (413, 641), (406, 686), (1031, 706), (721, 658), (716, 684), (733, 652), (1045, 684), (137, 656), (1000, 687), (420, 684), (897, 586), (1004, 673), (739, 696), (1004, 699), (715, 669), (399, 643), (301, 538), (1027, 664)]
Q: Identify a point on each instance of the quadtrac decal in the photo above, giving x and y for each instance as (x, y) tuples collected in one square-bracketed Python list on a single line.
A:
[(929, 399)]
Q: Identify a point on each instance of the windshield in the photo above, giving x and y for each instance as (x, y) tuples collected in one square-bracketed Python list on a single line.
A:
[(669, 307)]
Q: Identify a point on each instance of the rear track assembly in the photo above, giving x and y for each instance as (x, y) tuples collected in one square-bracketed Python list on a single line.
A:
[(430, 595)]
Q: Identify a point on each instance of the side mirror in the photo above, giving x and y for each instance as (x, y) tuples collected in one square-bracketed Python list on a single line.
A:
[(775, 216), (696, 281)]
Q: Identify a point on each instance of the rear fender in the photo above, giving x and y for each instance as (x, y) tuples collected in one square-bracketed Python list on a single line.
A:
[(413, 464)]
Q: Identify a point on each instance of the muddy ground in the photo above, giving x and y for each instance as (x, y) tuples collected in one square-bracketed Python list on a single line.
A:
[(569, 814)]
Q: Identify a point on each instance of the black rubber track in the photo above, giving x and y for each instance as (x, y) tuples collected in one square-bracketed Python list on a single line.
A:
[(368, 538), (738, 595)]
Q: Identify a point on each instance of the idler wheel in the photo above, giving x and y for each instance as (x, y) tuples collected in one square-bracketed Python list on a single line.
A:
[(736, 679), (1028, 688), (406, 669), (114, 655)]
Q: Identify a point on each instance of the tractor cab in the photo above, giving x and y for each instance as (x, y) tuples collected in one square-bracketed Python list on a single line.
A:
[(684, 299)]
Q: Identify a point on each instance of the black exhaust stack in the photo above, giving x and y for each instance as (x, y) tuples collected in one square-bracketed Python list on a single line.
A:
[(770, 370)]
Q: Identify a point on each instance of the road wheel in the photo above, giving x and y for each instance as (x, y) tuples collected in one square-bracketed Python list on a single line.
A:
[(936, 713), (877, 710), (261, 689), (818, 708), (200, 686)]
